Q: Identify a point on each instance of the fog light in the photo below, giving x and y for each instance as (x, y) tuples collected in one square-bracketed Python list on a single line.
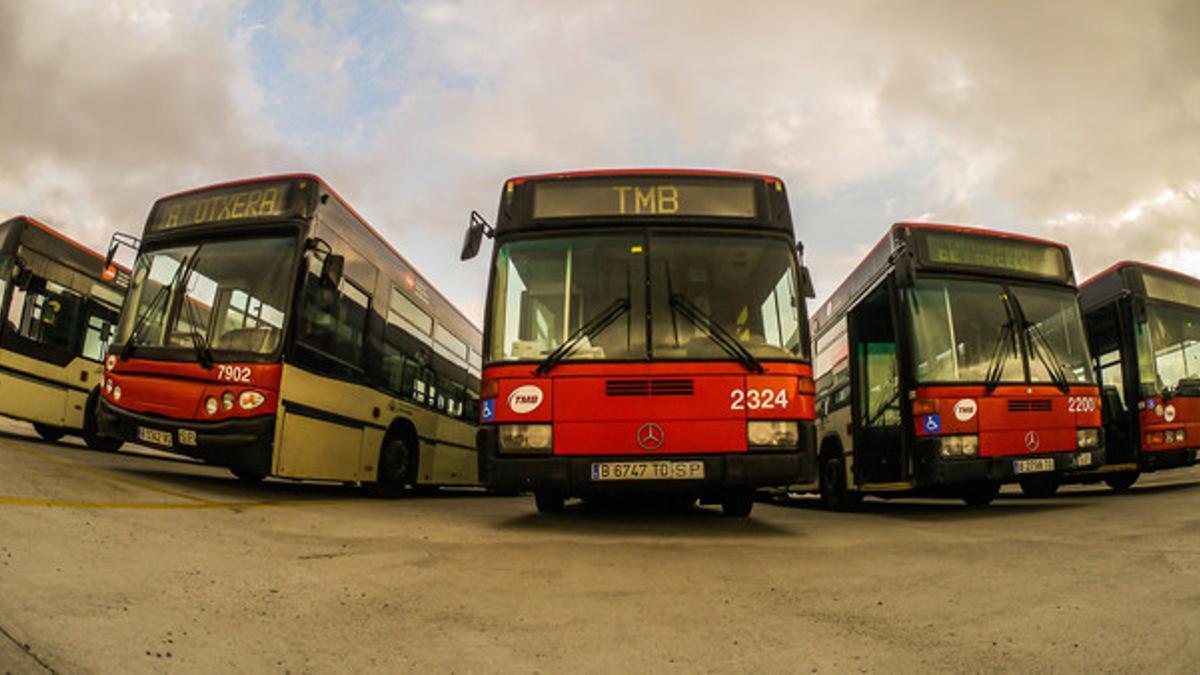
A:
[(108, 385), (249, 400), (227, 400), (116, 393), (526, 437), (211, 405), (766, 434)]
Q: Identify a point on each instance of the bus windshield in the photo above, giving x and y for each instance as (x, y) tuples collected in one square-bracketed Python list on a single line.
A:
[(701, 288), (965, 330), (1174, 343), (229, 295)]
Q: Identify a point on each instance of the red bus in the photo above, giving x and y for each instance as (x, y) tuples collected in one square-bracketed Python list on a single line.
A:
[(271, 330), (645, 330), (950, 361), (1143, 323)]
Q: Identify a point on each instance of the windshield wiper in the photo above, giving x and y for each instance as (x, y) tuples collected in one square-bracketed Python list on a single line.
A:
[(1040, 345), (999, 355), (590, 329), (715, 332), (136, 333)]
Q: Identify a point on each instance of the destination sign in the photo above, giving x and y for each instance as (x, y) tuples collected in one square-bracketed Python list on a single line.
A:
[(664, 197), (241, 202), (1162, 287), (999, 253)]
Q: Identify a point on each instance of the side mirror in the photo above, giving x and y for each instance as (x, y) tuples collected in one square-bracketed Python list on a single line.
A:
[(473, 238), (906, 271), (806, 283), (332, 270)]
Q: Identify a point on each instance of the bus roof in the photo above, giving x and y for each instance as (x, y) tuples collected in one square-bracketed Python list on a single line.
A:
[(325, 185), (589, 173), (1160, 284), (880, 259), (1120, 265), (57, 234)]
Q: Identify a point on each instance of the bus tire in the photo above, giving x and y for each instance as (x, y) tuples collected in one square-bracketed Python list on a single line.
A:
[(49, 431), (549, 502), (247, 476), (1121, 482), (397, 466), (737, 503), (91, 434), (1040, 487), (980, 494), (832, 479)]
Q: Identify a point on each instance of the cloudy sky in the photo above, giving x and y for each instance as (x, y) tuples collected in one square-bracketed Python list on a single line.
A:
[(1074, 120)]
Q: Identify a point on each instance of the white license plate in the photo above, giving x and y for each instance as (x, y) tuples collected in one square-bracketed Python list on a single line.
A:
[(1033, 465), (1083, 459), (155, 436), (647, 470)]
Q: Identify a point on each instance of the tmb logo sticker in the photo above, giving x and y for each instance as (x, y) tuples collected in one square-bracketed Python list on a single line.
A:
[(525, 399)]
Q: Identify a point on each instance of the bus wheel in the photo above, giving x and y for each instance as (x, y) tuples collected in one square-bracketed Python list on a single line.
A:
[(395, 470), (1120, 482), (49, 432), (549, 502), (981, 494), (834, 495), (247, 476), (1039, 488), (737, 504)]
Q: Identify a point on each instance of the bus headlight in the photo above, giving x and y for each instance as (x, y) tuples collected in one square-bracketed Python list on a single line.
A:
[(959, 446), (526, 438), (764, 434), (110, 362), (211, 405), (108, 385), (116, 394), (1087, 438), (227, 401), (249, 400)]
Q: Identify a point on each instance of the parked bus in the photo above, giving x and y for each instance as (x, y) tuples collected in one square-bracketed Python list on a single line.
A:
[(1143, 324), (950, 361), (269, 329), (60, 303), (645, 329)]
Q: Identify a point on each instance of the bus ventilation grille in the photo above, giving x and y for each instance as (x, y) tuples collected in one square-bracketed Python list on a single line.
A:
[(649, 387), (1029, 405)]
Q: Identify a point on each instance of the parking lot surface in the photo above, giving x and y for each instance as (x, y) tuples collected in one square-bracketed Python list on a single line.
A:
[(138, 562)]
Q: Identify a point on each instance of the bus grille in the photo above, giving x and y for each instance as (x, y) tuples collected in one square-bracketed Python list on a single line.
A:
[(1029, 405), (649, 387)]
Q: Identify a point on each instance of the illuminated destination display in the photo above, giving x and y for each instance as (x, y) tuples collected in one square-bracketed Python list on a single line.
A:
[(645, 197), (1001, 253), (1162, 287), (258, 200)]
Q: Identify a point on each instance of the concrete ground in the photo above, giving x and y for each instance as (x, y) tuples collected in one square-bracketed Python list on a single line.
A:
[(134, 562)]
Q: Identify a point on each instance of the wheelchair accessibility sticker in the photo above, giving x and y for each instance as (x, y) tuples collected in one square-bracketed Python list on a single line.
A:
[(933, 424), (489, 409)]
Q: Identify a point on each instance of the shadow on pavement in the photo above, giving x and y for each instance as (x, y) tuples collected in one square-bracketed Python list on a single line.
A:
[(645, 518), (916, 508), (1094, 491)]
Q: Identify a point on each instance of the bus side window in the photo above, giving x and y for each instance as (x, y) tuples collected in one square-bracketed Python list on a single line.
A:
[(46, 313), (334, 321), (98, 332)]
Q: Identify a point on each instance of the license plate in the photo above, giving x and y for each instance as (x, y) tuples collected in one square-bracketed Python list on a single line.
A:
[(1083, 459), (1033, 465), (155, 436), (647, 471)]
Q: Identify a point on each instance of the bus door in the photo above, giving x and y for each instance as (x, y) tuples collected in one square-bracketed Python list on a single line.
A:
[(1115, 362), (879, 452)]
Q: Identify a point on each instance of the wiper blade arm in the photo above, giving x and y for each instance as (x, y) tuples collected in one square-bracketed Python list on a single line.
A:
[(999, 355), (589, 330), (716, 332), (1045, 353)]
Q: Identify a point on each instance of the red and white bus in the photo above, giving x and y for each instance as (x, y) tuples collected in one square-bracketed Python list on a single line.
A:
[(645, 329), (1143, 323), (950, 361), (271, 330)]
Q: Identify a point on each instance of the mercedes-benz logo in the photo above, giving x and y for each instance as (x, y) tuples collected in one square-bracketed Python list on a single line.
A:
[(650, 436), (1033, 441)]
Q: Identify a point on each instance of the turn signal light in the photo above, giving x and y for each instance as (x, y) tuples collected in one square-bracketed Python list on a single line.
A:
[(1155, 438), (805, 385), (489, 389), (249, 400), (925, 406)]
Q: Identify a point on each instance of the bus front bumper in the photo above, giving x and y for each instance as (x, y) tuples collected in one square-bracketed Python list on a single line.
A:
[(1008, 469), (574, 474), (242, 443)]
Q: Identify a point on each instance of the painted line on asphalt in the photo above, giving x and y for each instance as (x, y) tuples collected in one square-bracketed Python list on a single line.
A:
[(108, 475)]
